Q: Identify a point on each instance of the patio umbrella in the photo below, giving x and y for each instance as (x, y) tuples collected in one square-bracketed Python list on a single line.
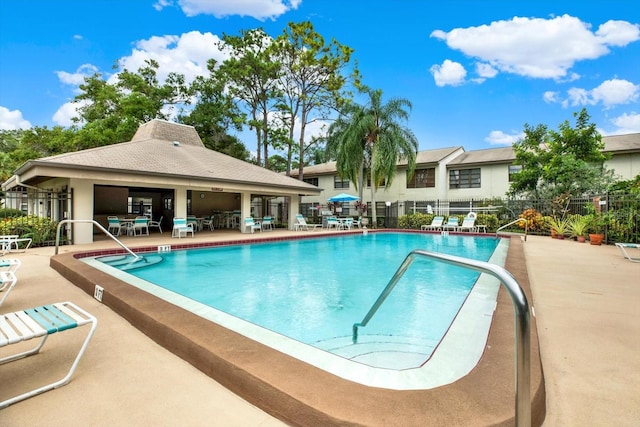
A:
[(343, 197)]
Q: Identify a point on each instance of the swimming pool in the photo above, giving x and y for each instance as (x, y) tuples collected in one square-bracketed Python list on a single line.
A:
[(390, 352)]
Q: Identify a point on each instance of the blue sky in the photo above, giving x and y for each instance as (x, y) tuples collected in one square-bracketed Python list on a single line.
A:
[(475, 71)]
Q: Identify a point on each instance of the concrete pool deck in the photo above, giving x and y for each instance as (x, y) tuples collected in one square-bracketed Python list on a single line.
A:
[(585, 299)]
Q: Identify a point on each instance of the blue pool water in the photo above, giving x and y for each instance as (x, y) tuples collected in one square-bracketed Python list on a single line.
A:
[(314, 290)]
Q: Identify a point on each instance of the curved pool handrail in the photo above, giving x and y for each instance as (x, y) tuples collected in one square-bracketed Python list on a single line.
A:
[(522, 320), (526, 227), (97, 224)]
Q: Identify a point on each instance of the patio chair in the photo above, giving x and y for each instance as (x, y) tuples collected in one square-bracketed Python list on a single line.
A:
[(40, 322), (8, 280), (347, 223), (468, 223), (191, 219), (267, 223), (156, 224), (180, 228), (253, 225), (140, 226), (332, 222), (623, 249), (452, 223), (436, 224), (115, 227), (301, 224), (208, 222)]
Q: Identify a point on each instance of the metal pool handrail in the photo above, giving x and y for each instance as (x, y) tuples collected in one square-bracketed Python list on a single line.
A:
[(522, 321), (526, 227), (64, 221)]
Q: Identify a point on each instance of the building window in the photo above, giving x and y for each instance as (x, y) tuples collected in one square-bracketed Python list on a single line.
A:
[(464, 178), (513, 170), (312, 181), (368, 175), (422, 178), (340, 183)]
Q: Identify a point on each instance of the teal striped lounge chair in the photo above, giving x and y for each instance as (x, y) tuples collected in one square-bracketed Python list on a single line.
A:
[(40, 322)]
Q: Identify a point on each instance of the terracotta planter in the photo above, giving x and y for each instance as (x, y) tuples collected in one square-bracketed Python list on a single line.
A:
[(596, 239), (581, 239)]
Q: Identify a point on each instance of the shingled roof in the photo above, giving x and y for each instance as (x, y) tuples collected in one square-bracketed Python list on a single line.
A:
[(170, 149)]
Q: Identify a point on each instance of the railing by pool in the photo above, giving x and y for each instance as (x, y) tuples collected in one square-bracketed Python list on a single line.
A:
[(97, 224), (521, 311)]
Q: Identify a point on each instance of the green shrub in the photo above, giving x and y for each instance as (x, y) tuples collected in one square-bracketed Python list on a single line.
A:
[(37, 228)]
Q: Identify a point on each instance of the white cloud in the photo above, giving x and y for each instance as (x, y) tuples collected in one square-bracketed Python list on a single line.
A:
[(615, 92), (66, 112), (486, 70), (77, 78), (610, 93), (551, 97), (498, 137), (258, 9), (186, 54), (12, 120), (538, 48), (449, 73), (627, 123), (618, 33)]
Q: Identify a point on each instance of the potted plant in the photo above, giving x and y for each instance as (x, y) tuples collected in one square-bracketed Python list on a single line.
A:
[(578, 227), (560, 226), (362, 209), (598, 221)]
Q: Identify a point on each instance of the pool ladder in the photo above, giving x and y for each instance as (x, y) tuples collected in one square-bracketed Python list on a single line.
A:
[(521, 312)]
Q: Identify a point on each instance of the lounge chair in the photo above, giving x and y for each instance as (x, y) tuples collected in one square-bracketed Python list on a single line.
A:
[(436, 224), (8, 280), (452, 224), (623, 248), (11, 243), (156, 224), (267, 223), (140, 226), (40, 322), (249, 222), (180, 228), (10, 264), (468, 223), (301, 224)]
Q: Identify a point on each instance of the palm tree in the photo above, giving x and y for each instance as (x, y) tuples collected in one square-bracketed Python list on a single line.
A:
[(369, 140)]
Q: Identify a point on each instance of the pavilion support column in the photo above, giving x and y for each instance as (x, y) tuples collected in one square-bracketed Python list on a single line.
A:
[(245, 210), (294, 209), (82, 209)]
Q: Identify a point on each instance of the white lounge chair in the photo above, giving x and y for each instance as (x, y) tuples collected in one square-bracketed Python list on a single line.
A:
[(468, 223), (436, 224), (301, 224), (10, 264), (452, 223), (249, 222), (623, 248), (180, 228), (8, 280), (11, 243), (40, 322)]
